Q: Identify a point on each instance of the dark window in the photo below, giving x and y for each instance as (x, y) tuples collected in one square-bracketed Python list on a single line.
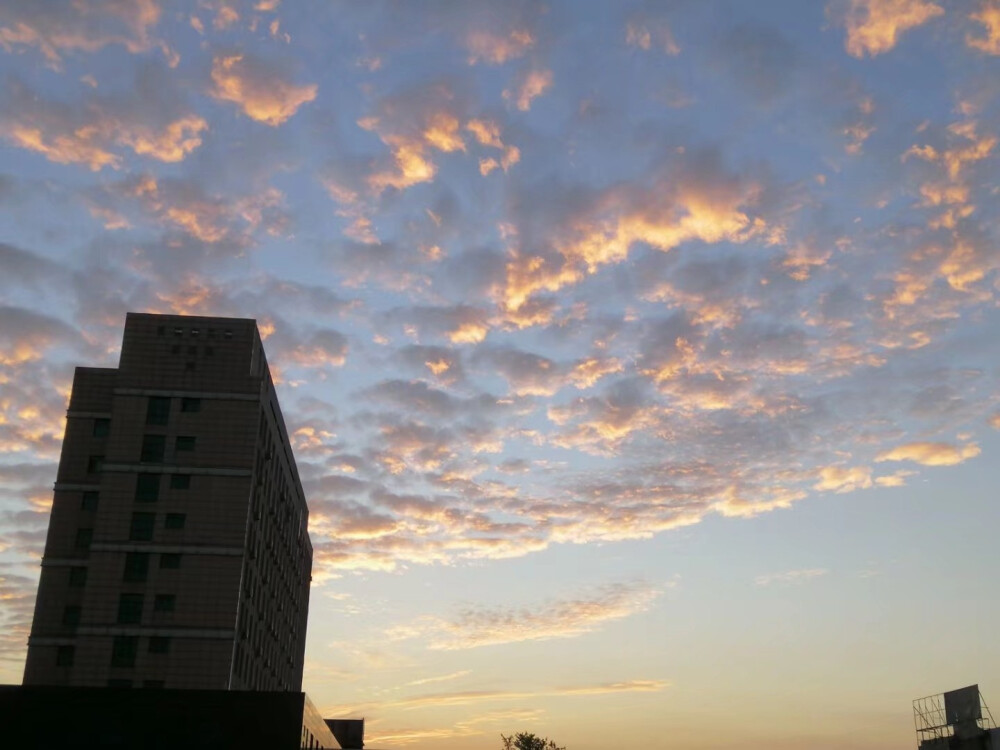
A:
[(158, 410), (117, 682), (174, 521), (142, 527), (209, 351), (170, 560), (129, 609), (164, 603), (192, 351), (147, 488), (101, 427), (77, 576), (64, 656), (159, 644), (185, 443), (71, 615), (88, 500), (95, 464), (175, 349), (123, 650), (154, 684), (211, 333), (189, 366), (83, 538), (180, 481), (160, 330), (153, 447), (136, 567), (190, 404)]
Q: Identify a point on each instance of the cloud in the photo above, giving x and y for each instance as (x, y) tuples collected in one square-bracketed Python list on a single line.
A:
[(528, 86), (988, 16), (464, 698), (874, 26), (262, 90), (930, 454), (790, 577), (149, 122), (840, 479), (497, 48), (83, 26), (569, 618), (649, 33)]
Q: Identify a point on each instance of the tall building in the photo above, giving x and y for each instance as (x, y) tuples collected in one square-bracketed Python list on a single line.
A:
[(177, 553)]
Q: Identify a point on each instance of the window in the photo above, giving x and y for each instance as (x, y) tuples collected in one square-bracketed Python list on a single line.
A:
[(154, 684), (185, 443), (142, 527), (180, 481), (160, 330), (71, 615), (77, 576), (164, 603), (170, 560), (119, 683), (88, 500), (158, 410), (83, 538), (101, 427), (147, 488), (174, 521), (190, 404), (227, 334), (136, 567), (129, 609), (64, 656), (209, 351), (95, 464), (123, 650), (175, 349), (159, 644), (195, 331), (153, 447), (189, 366)]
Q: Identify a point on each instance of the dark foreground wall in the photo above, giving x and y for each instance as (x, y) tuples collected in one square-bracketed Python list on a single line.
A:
[(66, 718)]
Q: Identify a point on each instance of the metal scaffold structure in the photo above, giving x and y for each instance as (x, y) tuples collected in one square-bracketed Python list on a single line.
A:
[(956, 719)]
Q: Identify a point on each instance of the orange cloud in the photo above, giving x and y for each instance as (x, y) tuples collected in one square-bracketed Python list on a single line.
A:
[(477, 627), (495, 49), (643, 36), (840, 479), (528, 88), (988, 16), (83, 26), (263, 95), (930, 454), (874, 26)]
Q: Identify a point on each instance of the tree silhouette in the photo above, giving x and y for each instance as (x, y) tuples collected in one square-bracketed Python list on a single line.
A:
[(528, 741)]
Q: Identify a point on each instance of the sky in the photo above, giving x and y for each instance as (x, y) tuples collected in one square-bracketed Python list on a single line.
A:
[(640, 358)]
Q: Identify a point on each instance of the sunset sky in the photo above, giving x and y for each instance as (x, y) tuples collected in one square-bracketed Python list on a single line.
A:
[(640, 358)]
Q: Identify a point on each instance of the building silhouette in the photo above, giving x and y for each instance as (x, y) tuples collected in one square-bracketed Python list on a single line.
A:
[(177, 558), (177, 554)]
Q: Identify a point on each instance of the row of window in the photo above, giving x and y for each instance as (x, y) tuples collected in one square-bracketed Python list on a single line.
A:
[(147, 490), (140, 530), (158, 408), (154, 447), (129, 609), (194, 333), (123, 652)]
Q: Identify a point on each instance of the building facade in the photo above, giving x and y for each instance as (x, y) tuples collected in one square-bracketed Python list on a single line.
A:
[(178, 553)]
